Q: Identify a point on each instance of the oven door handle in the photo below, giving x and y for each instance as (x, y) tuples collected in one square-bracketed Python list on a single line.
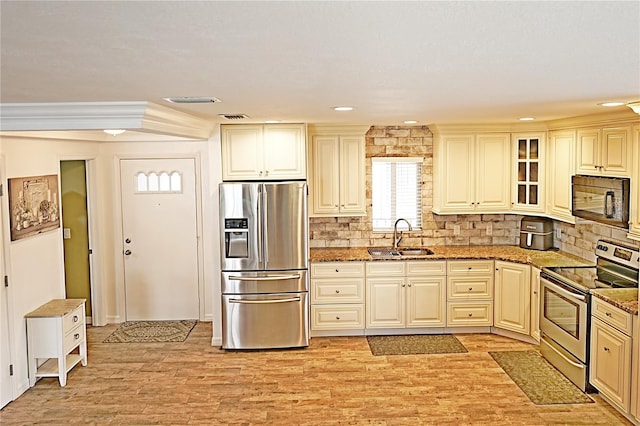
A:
[(269, 278), (573, 363), (566, 292), (264, 302)]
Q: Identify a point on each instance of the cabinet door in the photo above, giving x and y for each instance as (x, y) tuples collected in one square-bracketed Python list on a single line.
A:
[(616, 151), (634, 228), (493, 177), (561, 166), (352, 175), (528, 182), (535, 303), (242, 156), (285, 154), (610, 368), (325, 174), (588, 151), (457, 174), (512, 309), (385, 302), (426, 302)]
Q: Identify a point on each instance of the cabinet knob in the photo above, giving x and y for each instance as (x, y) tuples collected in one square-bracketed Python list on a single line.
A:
[(336, 206), (266, 173), (337, 291), (260, 174), (470, 314), (403, 285), (76, 336), (75, 318), (470, 288), (337, 270), (608, 314), (606, 349), (338, 318)]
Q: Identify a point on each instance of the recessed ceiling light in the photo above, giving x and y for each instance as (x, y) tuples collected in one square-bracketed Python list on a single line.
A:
[(611, 104), (272, 121), (527, 118), (114, 132), (343, 108), (192, 99), (410, 122)]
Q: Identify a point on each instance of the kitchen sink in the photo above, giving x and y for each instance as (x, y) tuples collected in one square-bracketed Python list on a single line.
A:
[(389, 252)]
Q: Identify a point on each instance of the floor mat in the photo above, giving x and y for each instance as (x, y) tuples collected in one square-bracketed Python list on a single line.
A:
[(538, 379), (415, 344), (151, 332)]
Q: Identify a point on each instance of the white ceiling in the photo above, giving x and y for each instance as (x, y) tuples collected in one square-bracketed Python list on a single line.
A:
[(435, 62)]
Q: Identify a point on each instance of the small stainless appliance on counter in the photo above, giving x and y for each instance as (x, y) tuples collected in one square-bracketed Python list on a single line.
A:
[(264, 260), (536, 233), (565, 308)]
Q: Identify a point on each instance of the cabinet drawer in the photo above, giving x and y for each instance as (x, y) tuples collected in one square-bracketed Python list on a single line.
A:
[(470, 314), (348, 290), (385, 269), (73, 338), (337, 269), (427, 267), (337, 317), (478, 288), (469, 267), (612, 315), (73, 319)]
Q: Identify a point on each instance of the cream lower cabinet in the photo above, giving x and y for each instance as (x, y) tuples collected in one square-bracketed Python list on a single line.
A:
[(535, 303), (263, 152), (406, 294), (469, 293), (512, 299), (337, 171), (611, 346), (337, 296)]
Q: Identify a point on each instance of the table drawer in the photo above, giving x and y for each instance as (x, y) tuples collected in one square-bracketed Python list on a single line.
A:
[(468, 267), (479, 288), (337, 317), (348, 290), (73, 319), (73, 338), (427, 267), (470, 314), (385, 269), (337, 269)]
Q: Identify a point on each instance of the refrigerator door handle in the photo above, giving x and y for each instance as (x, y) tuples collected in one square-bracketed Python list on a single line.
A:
[(269, 278), (264, 302), (265, 209), (260, 224)]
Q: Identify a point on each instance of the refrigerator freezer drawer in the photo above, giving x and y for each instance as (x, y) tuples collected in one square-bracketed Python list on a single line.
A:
[(265, 321), (264, 282)]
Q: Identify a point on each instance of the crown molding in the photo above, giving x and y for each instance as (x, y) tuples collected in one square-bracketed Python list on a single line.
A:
[(138, 116), (489, 127), (337, 129), (613, 118)]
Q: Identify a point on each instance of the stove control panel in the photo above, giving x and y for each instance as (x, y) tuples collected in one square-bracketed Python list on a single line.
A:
[(627, 256)]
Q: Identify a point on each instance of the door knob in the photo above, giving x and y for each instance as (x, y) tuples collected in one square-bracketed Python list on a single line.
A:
[(127, 252)]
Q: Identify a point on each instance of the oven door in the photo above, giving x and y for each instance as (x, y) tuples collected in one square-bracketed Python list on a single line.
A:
[(564, 315)]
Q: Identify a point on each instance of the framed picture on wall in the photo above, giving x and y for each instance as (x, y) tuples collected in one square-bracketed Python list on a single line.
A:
[(34, 205)]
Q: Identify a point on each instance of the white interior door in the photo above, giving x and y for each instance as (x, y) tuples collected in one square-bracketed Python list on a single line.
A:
[(6, 385), (160, 239)]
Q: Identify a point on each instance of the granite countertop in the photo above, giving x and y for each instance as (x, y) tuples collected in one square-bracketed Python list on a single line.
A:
[(537, 258), (623, 298), (55, 308)]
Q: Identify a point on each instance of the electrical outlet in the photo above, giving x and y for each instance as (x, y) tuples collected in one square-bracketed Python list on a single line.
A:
[(456, 229), (489, 229), (558, 233), (66, 233)]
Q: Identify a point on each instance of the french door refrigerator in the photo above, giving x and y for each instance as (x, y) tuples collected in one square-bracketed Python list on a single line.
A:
[(264, 262)]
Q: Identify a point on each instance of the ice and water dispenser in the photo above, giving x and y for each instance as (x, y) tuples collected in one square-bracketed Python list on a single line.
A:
[(236, 238)]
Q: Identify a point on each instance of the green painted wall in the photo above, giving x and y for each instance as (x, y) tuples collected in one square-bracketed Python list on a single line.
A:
[(75, 218)]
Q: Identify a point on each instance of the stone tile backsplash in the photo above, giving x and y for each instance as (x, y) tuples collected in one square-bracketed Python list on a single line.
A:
[(475, 229)]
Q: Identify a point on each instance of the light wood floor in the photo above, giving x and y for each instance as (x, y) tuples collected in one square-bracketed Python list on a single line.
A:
[(334, 381)]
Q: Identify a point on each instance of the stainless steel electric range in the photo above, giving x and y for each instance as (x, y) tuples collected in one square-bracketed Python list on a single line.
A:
[(565, 306)]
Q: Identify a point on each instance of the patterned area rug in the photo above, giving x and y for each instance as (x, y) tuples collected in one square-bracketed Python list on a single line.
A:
[(151, 332), (538, 379), (415, 344)]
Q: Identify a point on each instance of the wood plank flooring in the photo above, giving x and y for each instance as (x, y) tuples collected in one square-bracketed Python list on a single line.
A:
[(333, 382)]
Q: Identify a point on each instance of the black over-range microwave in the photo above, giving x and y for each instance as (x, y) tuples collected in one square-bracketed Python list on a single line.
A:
[(601, 199)]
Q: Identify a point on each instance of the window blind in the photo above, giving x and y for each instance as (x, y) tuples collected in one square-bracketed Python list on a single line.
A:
[(396, 191)]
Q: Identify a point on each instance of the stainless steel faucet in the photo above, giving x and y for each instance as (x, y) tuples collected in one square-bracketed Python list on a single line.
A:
[(396, 239)]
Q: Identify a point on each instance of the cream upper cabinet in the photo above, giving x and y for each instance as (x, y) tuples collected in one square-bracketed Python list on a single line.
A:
[(512, 310), (634, 222), (528, 172), (560, 167), (263, 152), (337, 171), (472, 173), (604, 151)]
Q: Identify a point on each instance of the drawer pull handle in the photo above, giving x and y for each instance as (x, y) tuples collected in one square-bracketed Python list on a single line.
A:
[(608, 314), (337, 291), (338, 318), (470, 288), (606, 349), (76, 336), (75, 318), (470, 314), (337, 270)]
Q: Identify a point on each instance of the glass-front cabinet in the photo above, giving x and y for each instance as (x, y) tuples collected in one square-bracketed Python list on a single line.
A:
[(527, 194)]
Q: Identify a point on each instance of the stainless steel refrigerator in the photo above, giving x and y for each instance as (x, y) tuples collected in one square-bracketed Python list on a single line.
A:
[(264, 260)]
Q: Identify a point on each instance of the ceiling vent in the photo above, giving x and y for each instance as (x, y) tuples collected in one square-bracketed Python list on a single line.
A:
[(192, 100), (234, 116)]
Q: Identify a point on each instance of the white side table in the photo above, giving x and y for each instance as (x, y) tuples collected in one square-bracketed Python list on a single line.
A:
[(56, 339)]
